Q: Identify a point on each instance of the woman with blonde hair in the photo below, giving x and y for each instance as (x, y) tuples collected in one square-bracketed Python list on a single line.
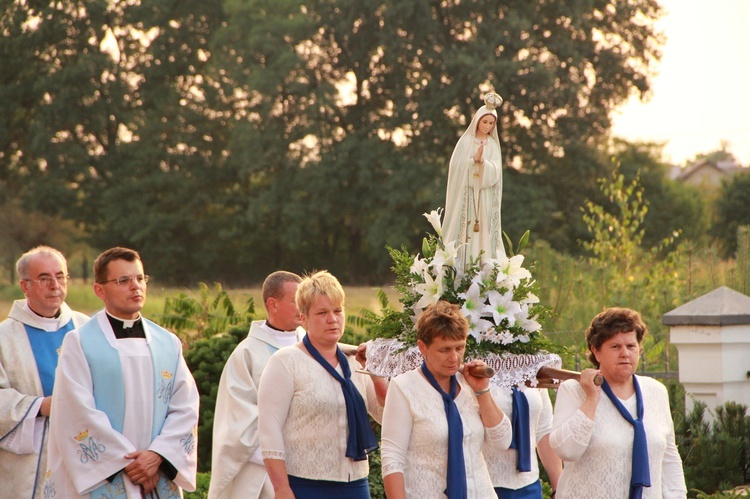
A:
[(314, 429)]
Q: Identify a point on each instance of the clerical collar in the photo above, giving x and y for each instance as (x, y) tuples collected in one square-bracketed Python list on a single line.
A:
[(126, 328), (282, 338), (48, 324), (277, 330)]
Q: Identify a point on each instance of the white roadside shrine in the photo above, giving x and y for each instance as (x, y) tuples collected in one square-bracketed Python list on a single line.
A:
[(712, 336)]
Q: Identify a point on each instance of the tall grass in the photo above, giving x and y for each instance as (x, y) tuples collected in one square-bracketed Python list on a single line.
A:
[(81, 297)]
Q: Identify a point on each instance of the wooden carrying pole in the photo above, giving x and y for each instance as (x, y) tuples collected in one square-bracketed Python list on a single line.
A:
[(547, 377)]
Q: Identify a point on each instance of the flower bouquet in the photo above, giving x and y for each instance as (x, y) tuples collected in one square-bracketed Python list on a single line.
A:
[(496, 295)]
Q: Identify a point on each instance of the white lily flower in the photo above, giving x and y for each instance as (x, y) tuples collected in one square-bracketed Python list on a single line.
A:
[(445, 256), (502, 306), (472, 307), (530, 299), (434, 218), (489, 264), (515, 271), (529, 324), (431, 290), (420, 266)]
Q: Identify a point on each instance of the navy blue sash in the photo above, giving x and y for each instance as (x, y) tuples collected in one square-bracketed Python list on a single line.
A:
[(457, 488), (361, 439), (640, 476), (521, 432)]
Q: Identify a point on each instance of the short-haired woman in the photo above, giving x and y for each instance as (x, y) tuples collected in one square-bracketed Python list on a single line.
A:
[(436, 419), (617, 440), (314, 429)]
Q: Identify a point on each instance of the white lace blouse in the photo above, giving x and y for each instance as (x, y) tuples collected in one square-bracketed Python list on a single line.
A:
[(302, 417), (597, 454), (415, 437), (502, 463)]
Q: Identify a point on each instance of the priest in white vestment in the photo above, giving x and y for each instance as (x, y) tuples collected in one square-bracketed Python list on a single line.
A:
[(29, 342), (237, 469), (125, 412)]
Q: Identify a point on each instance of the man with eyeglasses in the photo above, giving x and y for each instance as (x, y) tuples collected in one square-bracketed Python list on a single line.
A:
[(125, 412), (237, 469), (29, 342)]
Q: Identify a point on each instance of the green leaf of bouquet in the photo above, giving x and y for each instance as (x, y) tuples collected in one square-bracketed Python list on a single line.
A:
[(508, 243), (523, 242)]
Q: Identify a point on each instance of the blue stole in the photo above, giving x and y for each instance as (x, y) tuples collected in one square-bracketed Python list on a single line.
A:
[(45, 346), (109, 386), (456, 480), (521, 440), (640, 475), (361, 439)]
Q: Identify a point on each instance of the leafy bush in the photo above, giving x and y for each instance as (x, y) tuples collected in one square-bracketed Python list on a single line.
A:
[(715, 456), (203, 317), (201, 490)]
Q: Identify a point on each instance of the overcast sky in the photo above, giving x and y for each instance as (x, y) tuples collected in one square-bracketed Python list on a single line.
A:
[(701, 95)]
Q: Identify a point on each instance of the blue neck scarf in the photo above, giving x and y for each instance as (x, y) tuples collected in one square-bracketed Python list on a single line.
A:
[(361, 439), (521, 432), (456, 484), (640, 476)]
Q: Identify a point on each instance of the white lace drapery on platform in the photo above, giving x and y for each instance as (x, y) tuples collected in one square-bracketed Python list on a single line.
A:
[(387, 357)]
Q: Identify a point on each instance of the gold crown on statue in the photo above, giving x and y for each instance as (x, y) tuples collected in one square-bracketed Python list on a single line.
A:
[(492, 100)]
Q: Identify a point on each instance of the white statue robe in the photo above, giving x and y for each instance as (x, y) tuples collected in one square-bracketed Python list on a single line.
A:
[(23, 434), (85, 447), (237, 469), (471, 200)]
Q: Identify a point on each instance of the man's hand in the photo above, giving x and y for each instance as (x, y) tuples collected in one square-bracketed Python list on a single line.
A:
[(150, 484), (144, 468), (361, 355)]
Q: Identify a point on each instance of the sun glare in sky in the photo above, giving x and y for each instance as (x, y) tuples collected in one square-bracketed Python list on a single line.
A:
[(701, 94)]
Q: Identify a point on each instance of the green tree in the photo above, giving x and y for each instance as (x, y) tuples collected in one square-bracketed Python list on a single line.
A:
[(673, 206), (115, 133), (715, 456), (645, 279), (732, 211), (369, 98), (21, 230), (217, 136)]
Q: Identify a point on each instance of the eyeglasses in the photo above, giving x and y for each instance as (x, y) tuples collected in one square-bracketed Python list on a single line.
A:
[(125, 280), (47, 280)]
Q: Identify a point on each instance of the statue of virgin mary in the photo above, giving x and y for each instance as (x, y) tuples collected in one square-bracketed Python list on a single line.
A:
[(475, 186)]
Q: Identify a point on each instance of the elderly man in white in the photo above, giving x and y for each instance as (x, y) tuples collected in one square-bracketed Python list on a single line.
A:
[(29, 342), (237, 469)]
